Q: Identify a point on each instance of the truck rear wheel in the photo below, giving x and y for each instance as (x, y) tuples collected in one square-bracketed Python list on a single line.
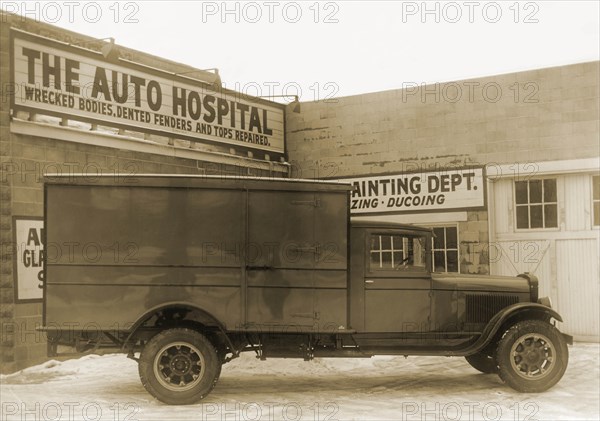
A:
[(179, 366), (532, 356)]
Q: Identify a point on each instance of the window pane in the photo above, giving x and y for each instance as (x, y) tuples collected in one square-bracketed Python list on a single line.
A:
[(438, 258), (397, 242), (438, 241), (418, 249), (452, 257), (386, 259), (374, 242), (550, 190), (536, 216), (386, 242), (398, 259), (451, 240), (597, 213), (521, 192), (522, 217), (596, 183), (535, 191), (374, 260), (550, 216)]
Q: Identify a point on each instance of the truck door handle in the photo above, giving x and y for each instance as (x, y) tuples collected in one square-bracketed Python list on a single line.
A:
[(259, 267), (369, 281)]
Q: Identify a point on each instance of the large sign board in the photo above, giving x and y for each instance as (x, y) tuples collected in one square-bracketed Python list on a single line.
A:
[(436, 191), (29, 258), (55, 78)]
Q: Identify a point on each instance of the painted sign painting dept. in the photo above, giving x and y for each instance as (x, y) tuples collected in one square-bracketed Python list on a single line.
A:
[(419, 192)]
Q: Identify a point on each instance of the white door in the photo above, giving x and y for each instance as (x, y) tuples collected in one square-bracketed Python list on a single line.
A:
[(578, 281)]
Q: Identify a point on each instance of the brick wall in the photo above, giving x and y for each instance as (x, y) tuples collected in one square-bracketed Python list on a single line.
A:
[(22, 195), (7, 306), (23, 160)]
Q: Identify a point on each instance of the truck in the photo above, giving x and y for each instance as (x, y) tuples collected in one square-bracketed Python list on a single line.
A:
[(183, 273)]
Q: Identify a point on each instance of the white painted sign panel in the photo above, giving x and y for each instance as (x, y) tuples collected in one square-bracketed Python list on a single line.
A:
[(29, 250), (437, 191), (58, 79)]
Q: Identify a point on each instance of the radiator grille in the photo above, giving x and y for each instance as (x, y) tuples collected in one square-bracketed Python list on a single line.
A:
[(481, 308)]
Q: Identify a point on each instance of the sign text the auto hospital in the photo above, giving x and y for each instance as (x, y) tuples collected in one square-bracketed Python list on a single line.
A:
[(419, 192), (71, 82)]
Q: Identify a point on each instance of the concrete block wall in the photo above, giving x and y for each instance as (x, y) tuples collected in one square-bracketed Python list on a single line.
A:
[(531, 116), (474, 238), (538, 115)]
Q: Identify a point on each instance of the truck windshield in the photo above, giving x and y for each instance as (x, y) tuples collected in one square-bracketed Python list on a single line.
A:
[(397, 252)]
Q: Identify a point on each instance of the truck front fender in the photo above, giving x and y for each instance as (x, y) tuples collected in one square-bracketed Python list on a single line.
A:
[(510, 315)]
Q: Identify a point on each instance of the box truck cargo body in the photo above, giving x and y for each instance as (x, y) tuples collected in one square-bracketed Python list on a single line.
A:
[(247, 252)]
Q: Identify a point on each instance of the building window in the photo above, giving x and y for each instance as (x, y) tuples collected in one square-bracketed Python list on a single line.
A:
[(536, 204), (596, 199), (397, 252), (445, 249)]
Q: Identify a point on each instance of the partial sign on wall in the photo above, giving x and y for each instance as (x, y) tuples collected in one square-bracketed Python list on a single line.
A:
[(67, 81), (436, 191), (29, 251)]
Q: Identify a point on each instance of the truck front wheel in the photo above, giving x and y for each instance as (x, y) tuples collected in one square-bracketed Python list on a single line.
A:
[(532, 356), (179, 366)]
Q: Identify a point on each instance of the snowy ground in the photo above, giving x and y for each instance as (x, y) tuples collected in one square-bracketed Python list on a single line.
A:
[(418, 388)]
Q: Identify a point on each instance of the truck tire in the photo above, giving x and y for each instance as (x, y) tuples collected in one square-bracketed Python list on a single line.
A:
[(179, 366), (483, 362), (532, 356)]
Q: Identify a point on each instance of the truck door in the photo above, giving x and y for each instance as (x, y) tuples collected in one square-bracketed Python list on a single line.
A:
[(397, 282), (297, 258)]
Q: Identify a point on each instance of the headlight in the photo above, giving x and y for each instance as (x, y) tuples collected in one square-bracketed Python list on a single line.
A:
[(545, 301)]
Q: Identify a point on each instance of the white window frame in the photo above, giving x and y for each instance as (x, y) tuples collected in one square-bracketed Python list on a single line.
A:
[(392, 250), (594, 201), (446, 249), (529, 204)]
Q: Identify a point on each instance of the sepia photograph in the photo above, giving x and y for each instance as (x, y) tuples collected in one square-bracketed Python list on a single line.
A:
[(299, 210)]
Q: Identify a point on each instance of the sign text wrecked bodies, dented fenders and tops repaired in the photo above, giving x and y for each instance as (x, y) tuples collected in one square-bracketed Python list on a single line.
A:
[(54, 77), (418, 192)]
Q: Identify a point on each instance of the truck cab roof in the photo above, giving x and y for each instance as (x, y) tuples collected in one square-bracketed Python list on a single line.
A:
[(387, 225)]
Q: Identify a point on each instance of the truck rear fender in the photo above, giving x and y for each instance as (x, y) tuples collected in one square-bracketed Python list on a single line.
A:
[(187, 315), (511, 315)]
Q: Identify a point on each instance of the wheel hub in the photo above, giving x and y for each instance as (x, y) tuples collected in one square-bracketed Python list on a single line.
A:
[(532, 356), (179, 366)]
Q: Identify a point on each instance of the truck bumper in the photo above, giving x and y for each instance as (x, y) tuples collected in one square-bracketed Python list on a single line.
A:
[(568, 338)]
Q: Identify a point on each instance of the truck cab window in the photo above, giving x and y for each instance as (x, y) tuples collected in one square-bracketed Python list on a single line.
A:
[(397, 252)]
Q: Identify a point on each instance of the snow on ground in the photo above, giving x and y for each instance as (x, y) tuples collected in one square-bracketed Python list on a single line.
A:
[(418, 388)]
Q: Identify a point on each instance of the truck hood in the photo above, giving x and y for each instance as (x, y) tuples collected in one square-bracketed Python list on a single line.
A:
[(487, 283)]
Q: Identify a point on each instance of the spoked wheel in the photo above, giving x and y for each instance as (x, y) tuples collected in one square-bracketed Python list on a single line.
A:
[(179, 366), (532, 356)]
